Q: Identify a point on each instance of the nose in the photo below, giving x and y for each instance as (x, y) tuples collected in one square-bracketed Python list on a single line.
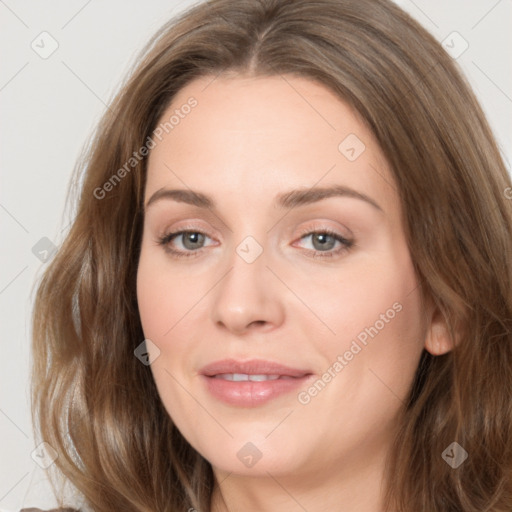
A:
[(249, 297)]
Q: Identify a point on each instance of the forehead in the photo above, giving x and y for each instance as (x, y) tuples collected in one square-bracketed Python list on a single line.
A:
[(291, 105), (265, 134)]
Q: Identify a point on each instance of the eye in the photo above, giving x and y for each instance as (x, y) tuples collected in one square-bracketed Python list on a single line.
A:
[(325, 240), (191, 242)]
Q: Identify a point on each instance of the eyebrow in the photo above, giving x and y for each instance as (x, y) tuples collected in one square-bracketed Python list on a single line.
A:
[(290, 199)]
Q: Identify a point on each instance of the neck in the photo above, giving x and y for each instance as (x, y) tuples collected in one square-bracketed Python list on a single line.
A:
[(355, 485)]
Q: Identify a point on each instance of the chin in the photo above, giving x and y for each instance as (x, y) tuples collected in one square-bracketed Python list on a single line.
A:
[(255, 456)]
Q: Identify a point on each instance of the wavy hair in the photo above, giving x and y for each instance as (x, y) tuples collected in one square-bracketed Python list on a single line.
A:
[(98, 406)]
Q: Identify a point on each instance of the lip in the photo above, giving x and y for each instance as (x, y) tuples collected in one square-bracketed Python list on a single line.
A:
[(254, 367), (251, 393)]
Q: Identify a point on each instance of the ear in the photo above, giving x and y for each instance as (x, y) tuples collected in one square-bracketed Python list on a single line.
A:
[(437, 337)]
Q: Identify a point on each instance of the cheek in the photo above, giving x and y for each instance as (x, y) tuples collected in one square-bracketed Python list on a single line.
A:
[(161, 297), (381, 328), (367, 293), (371, 362), (376, 314), (170, 310), (161, 307), (149, 294)]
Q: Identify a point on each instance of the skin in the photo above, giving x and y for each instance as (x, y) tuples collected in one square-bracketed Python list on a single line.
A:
[(248, 140)]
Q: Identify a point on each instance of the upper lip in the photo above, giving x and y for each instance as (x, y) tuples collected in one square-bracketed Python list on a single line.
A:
[(252, 367)]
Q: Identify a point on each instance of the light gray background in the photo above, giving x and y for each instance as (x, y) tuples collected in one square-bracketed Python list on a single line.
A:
[(48, 108)]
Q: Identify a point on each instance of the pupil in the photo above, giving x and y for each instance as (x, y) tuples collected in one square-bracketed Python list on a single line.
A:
[(322, 238), (194, 239)]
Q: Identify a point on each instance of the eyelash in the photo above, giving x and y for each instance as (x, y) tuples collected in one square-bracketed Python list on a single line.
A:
[(346, 244)]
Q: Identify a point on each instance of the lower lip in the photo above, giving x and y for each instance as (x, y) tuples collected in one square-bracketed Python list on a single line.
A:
[(249, 393)]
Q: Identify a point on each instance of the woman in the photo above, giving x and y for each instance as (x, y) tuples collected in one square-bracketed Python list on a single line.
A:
[(288, 284)]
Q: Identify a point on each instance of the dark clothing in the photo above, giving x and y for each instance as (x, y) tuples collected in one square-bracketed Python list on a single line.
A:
[(52, 510)]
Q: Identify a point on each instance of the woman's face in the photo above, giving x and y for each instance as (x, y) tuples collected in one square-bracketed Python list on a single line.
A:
[(286, 326)]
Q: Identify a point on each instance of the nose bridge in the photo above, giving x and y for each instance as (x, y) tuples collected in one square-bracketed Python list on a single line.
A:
[(246, 295)]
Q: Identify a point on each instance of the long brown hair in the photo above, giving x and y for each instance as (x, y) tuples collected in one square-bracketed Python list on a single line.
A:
[(97, 405)]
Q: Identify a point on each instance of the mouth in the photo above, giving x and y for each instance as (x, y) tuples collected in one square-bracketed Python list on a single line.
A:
[(251, 383), (241, 377), (254, 369)]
